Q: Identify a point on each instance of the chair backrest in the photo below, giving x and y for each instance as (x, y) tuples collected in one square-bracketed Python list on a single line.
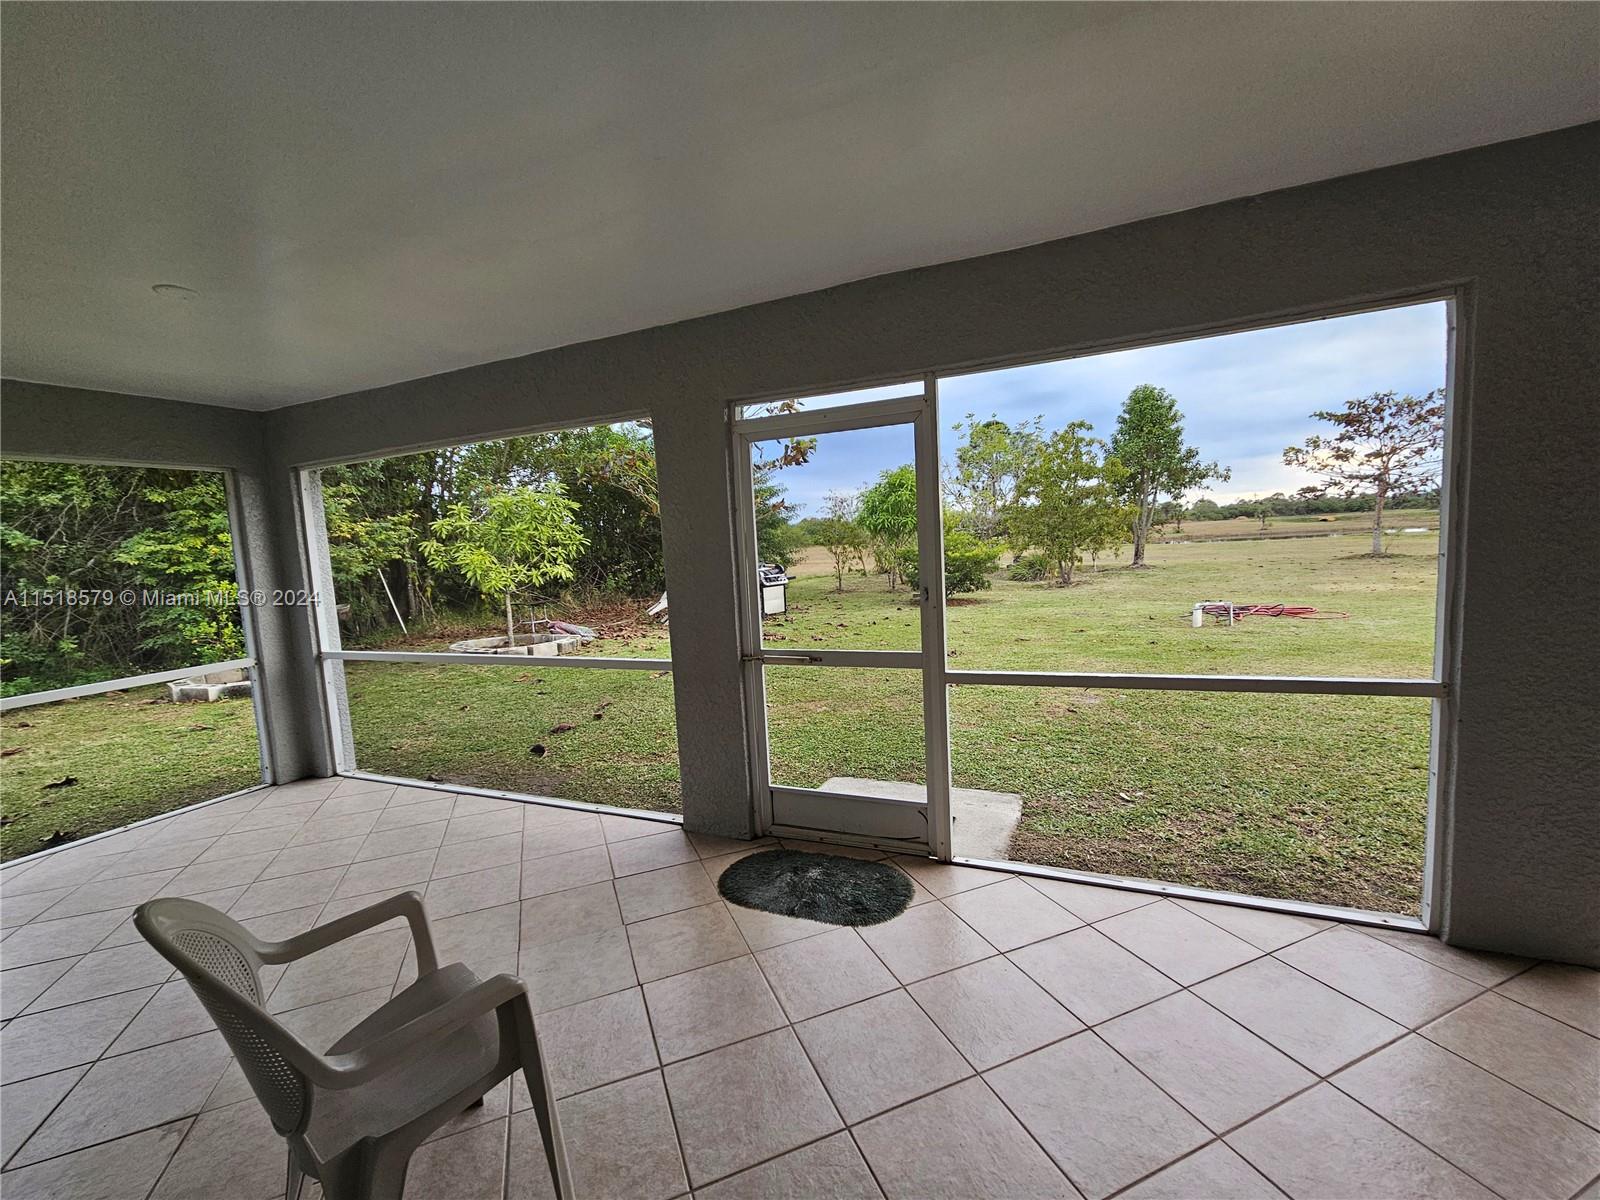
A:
[(218, 957)]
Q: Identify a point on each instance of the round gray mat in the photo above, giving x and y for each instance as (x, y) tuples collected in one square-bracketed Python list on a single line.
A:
[(817, 887)]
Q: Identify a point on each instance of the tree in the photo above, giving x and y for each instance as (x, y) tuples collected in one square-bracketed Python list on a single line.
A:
[(1069, 500), (518, 539), (988, 464), (888, 513), (838, 533), (1149, 444), (968, 561), (1382, 445)]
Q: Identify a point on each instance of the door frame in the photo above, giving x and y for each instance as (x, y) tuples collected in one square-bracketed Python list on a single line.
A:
[(815, 813)]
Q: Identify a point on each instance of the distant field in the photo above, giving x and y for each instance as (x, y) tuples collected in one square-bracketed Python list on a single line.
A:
[(1309, 798)]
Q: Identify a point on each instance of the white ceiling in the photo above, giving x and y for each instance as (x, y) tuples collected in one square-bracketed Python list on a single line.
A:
[(365, 193)]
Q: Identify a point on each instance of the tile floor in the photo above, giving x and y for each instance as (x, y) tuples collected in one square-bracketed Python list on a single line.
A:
[(1005, 1037)]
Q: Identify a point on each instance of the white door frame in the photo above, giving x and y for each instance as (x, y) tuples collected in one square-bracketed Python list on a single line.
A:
[(916, 827)]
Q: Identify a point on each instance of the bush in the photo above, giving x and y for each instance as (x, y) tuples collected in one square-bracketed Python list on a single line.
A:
[(968, 562), (1030, 568)]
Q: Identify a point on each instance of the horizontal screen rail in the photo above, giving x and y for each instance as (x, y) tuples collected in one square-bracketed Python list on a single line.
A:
[(123, 684), (901, 410), (500, 660), (1308, 685)]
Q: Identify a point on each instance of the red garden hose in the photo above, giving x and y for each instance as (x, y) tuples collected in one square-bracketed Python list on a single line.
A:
[(1303, 611)]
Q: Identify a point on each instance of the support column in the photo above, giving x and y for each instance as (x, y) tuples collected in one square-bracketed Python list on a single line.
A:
[(697, 535)]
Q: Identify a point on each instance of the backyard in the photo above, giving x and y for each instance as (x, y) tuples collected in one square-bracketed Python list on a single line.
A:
[(1304, 797)]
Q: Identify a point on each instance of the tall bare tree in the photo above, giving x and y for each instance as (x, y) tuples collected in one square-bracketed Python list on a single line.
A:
[(1383, 445)]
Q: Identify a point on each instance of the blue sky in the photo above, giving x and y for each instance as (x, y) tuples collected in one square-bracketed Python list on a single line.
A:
[(1244, 397)]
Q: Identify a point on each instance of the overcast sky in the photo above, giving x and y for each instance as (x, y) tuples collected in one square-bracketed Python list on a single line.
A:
[(1244, 397)]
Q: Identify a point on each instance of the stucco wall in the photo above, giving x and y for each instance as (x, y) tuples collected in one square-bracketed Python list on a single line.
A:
[(1515, 227)]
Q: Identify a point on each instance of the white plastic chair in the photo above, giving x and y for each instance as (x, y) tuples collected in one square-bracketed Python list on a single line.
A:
[(353, 1116)]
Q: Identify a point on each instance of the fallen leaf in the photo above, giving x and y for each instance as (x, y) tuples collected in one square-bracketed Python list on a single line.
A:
[(67, 781), (10, 750), (564, 727)]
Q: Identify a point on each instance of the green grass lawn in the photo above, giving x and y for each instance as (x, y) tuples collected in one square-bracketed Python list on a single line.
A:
[(133, 755), (1303, 797)]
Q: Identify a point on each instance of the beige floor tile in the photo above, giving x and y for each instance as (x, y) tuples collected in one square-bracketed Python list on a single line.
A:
[(278, 814), (569, 869), (21, 986), (230, 1152), (925, 940), (622, 829), (66, 1037), (619, 1139), (1501, 1136), (597, 1042), (485, 939), (355, 787), (1102, 1122), (45, 940), (1093, 976), (993, 1012), (396, 874), (669, 889), (291, 891), (483, 825), (1400, 986), (119, 1170), (577, 968), (527, 1169), (864, 853), (119, 1096), (541, 814), (56, 871), (763, 930), (466, 857), (946, 879), (25, 1104), (407, 839), (654, 851), (709, 845), (298, 860), (1213, 1172), (173, 1012), (19, 910), (105, 894), (1262, 929), (682, 941), (155, 858), (224, 873), (1567, 993), (422, 812), (464, 1166), (879, 1053), (1220, 1072), (1088, 901), (1176, 942), (745, 1103), (703, 1009), (1487, 969), (958, 1144), (565, 914), (1555, 1062), (1010, 914), (474, 806), (541, 841), (825, 972), (327, 827), (1310, 1022), (104, 973), (456, 894), (496, 1106), (718, 863), (831, 1168), (242, 845), (1324, 1146)]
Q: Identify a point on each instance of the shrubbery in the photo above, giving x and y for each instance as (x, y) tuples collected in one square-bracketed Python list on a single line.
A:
[(968, 563), (1030, 568)]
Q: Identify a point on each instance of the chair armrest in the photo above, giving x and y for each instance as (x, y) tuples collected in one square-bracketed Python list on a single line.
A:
[(405, 904), (419, 1035)]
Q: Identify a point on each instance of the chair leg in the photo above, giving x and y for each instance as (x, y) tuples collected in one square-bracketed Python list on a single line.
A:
[(533, 1071), (296, 1180)]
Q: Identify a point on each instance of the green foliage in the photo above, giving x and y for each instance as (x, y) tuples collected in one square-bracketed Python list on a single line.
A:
[(888, 514), (106, 530), (512, 541), (840, 534), (1381, 444), (1069, 501), (1029, 568), (1149, 444), (988, 464), (969, 561)]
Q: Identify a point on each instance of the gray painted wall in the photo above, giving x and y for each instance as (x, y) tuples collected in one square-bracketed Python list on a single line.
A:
[(1513, 226)]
